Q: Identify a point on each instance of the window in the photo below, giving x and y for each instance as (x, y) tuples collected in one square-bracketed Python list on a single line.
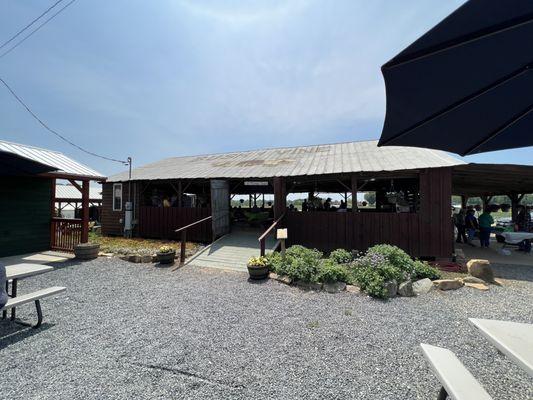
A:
[(117, 196)]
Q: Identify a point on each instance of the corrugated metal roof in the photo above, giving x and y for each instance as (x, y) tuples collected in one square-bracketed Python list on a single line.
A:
[(71, 192), (55, 159), (294, 161)]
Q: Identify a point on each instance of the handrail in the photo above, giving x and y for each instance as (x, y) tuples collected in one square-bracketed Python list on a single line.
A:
[(183, 239), (264, 235), (194, 223)]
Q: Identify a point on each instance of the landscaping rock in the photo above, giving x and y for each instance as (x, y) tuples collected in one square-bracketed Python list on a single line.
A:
[(303, 285), (480, 269), (154, 258), (284, 279), (125, 257), (353, 289), (422, 286), (392, 288), (406, 289), (335, 287), (146, 259), (273, 275), (473, 279), (480, 286), (448, 284), (315, 286)]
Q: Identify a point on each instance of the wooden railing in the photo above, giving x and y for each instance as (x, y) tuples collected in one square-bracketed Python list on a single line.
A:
[(262, 238), (183, 239), (65, 233)]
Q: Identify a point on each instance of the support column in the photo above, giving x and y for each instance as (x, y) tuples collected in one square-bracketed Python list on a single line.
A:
[(52, 211), (85, 212), (515, 202), (354, 194), (280, 197), (180, 194), (464, 201)]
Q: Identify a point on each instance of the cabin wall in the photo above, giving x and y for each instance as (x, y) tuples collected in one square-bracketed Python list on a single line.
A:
[(25, 215), (113, 221)]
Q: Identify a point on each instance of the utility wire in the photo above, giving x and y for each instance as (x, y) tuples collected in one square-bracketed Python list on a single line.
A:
[(35, 30), (30, 24), (45, 126)]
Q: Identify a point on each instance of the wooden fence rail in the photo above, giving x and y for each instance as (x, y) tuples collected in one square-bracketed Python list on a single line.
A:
[(65, 233)]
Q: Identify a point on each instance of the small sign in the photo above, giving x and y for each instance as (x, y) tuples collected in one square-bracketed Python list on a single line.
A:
[(281, 234), (255, 183)]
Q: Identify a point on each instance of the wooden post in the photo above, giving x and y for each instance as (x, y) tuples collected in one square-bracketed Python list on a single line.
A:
[(52, 211), (180, 194), (183, 246), (486, 200), (515, 202), (464, 201), (280, 197), (354, 194), (85, 212)]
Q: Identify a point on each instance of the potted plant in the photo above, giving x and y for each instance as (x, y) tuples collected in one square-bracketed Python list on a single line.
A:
[(166, 255), (258, 268)]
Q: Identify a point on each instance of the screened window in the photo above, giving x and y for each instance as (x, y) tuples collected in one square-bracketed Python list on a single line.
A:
[(117, 197)]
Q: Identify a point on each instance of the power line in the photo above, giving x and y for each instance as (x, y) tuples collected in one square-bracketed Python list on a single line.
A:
[(45, 126), (36, 29), (30, 24)]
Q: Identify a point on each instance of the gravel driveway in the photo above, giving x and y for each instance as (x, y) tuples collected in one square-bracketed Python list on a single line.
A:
[(134, 331)]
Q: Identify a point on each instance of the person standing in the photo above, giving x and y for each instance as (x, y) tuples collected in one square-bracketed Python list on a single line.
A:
[(485, 227), (460, 224), (471, 225)]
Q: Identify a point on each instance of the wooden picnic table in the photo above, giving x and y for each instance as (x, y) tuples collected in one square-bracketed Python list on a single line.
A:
[(514, 339), (19, 271)]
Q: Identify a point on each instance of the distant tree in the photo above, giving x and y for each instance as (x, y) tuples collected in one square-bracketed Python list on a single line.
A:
[(370, 197)]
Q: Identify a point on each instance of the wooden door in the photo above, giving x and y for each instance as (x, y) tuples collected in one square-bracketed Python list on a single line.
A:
[(220, 200)]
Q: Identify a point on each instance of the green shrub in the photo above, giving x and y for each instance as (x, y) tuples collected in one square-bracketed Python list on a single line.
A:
[(370, 281), (331, 272), (341, 256), (423, 270), (394, 255), (298, 263)]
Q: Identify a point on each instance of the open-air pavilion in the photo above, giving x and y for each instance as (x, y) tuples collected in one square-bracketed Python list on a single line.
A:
[(413, 189)]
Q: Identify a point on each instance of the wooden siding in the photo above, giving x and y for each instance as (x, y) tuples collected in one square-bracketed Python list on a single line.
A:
[(428, 233), (160, 223), (111, 220), (25, 215)]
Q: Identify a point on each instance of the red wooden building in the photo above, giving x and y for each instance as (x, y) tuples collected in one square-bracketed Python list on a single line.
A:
[(412, 186)]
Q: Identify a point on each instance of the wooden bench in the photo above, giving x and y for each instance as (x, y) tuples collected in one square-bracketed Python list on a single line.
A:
[(456, 380), (35, 297)]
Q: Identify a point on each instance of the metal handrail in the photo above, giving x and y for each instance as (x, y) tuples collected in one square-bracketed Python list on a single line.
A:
[(183, 239), (262, 238)]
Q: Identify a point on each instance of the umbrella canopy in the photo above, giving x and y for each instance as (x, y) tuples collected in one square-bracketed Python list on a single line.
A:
[(466, 86)]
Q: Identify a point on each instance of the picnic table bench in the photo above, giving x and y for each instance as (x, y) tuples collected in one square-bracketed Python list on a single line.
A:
[(19, 271)]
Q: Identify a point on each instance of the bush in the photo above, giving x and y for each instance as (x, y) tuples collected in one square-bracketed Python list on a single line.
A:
[(331, 272), (370, 281), (298, 263), (341, 256), (394, 255), (423, 270)]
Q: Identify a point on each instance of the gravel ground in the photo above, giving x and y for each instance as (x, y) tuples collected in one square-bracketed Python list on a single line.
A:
[(135, 331)]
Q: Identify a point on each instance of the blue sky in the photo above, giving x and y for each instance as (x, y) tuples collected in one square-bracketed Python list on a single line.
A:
[(153, 79)]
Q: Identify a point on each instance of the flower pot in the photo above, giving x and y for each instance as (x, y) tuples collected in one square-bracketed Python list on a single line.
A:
[(166, 258), (86, 251), (258, 272)]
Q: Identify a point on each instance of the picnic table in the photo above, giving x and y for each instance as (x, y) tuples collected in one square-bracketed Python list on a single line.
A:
[(513, 339), (19, 271)]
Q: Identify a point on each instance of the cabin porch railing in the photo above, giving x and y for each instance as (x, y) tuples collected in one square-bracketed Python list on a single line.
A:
[(183, 239), (65, 233), (262, 238)]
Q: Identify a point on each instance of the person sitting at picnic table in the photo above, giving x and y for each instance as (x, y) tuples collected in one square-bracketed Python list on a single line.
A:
[(460, 224), (523, 220), (485, 221), (3, 280), (471, 225)]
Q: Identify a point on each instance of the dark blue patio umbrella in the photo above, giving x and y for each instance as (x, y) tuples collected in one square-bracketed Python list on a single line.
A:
[(466, 86)]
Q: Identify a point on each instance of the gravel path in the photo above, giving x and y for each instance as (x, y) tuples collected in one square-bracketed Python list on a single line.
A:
[(134, 331)]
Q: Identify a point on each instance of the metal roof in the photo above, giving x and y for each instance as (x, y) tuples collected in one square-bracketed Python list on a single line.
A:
[(65, 191), (60, 162), (294, 161)]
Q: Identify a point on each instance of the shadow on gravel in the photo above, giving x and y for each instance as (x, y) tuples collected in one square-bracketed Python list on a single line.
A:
[(514, 272), (11, 333), (257, 281)]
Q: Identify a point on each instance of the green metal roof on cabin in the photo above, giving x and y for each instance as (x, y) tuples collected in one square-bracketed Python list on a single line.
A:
[(293, 161)]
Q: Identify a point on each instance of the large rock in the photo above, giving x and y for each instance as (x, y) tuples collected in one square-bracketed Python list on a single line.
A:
[(391, 288), (353, 289), (316, 286), (422, 286), (479, 286), (448, 284), (406, 289), (335, 287), (473, 279), (480, 269)]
